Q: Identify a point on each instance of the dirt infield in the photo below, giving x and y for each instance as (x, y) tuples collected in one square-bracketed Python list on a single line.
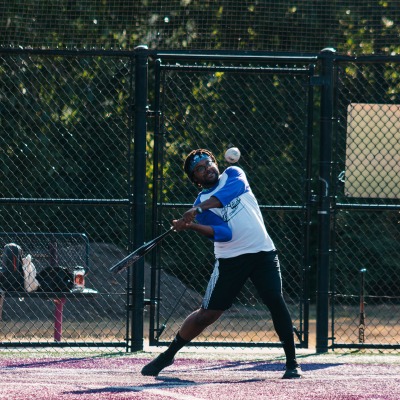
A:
[(230, 374)]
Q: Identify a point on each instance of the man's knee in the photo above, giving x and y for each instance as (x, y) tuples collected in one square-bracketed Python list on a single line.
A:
[(207, 317)]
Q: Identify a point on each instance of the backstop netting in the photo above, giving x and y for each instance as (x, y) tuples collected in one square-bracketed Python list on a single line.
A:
[(351, 27)]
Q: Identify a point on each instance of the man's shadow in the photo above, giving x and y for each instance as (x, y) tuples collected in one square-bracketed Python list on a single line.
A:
[(161, 383)]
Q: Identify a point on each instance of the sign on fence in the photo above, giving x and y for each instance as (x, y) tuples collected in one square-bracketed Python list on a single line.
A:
[(373, 151)]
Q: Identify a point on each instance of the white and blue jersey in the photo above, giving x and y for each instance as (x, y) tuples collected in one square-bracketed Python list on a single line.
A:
[(238, 225)]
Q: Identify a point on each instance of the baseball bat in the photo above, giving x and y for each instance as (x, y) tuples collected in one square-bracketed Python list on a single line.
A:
[(138, 253), (361, 324)]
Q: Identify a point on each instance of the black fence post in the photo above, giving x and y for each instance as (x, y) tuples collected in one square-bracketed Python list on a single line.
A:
[(139, 194), (324, 204)]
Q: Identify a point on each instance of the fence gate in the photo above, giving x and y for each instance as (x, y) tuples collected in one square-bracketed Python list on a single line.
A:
[(264, 106)]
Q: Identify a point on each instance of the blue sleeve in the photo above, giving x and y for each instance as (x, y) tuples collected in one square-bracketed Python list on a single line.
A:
[(222, 232), (235, 185)]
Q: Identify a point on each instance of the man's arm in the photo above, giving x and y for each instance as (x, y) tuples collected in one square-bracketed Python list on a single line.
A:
[(181, 225), (186, 222), (190, 214)]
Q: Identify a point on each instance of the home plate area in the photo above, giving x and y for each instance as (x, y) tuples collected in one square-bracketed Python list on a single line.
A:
[(191, 378)]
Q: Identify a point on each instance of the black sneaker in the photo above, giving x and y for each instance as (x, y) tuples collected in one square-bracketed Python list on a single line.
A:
[(154, 367), (292, 373)]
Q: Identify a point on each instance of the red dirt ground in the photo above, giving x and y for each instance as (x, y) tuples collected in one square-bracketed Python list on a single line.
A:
[(197, 376)]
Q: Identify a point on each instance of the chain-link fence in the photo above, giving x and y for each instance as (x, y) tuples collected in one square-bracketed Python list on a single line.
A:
[(68, 152), (366, 217), (65, 137)]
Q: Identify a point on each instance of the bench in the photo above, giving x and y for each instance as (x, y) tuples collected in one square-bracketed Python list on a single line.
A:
[(51, 250)]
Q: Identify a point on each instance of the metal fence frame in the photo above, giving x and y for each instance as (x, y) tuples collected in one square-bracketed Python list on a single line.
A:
[(284, 66), (325, 81)]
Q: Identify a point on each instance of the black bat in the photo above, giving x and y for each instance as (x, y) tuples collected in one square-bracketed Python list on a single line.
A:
[(139, 253), (361, 324)]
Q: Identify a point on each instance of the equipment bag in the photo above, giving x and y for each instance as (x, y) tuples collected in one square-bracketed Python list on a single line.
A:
[(55, 279), (12, 277)]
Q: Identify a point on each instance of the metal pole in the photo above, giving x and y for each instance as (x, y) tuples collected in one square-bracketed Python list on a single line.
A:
[(361, 325), (155, 210), (308, 202), (139, 193), (324, 204)]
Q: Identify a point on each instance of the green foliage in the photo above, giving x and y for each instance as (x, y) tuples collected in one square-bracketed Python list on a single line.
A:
[(65, 132), (367, 27)]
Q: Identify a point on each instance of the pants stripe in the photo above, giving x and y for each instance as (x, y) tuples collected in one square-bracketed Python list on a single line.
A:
[(211, 285)]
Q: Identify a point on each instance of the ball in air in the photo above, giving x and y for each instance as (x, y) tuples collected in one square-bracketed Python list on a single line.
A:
[(232, 155)]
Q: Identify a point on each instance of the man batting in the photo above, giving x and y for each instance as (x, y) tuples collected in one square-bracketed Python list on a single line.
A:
[(227, 212)]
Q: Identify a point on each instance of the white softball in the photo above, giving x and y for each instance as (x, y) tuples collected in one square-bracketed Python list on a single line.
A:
[(232, 155)]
